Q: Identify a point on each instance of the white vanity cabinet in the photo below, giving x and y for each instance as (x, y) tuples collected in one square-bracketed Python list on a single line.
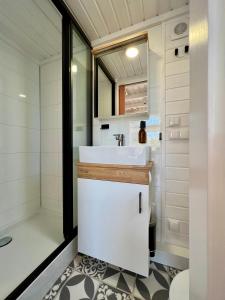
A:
[(113, 223)]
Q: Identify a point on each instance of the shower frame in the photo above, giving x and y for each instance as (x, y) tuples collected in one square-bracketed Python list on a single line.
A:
[(69, 24)]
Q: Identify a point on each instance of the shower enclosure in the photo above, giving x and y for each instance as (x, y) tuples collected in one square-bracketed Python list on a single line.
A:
[(43, 119)]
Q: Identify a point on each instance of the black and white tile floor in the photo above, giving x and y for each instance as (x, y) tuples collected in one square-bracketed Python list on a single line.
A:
[(87, 278)]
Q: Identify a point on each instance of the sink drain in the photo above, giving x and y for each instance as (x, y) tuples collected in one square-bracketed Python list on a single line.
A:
[(5, 240)]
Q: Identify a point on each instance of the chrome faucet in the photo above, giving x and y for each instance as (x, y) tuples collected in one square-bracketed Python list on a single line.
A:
[(120, 138)]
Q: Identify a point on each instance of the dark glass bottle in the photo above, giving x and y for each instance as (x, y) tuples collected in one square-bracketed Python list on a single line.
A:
[(142, 136)]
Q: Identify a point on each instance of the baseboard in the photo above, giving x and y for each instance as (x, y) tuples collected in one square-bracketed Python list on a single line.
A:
[(171, 255), (41, 285)]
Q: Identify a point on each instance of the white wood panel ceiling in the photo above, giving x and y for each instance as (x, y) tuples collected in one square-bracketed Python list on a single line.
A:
[(33, 25), (99, 18), (123, 68)]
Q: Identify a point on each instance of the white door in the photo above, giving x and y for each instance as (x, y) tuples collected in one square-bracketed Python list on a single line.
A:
[(113, 222)]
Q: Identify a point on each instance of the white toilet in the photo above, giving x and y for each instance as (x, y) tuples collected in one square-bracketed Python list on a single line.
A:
[(179, 288)]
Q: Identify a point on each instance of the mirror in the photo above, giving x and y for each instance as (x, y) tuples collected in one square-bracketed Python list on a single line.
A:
[(105, 90), (121, 80)]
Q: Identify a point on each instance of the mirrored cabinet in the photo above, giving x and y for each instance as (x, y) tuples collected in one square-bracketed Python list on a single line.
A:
[(121, 79)]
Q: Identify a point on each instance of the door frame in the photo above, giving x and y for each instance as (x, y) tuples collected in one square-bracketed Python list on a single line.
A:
[(69, 24)]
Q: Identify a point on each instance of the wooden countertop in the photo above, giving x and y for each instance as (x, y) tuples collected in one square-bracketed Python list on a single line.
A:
[(119, 173)]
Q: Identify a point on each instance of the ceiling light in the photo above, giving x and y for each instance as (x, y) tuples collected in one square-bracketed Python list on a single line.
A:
[(22, 96), (74, 68), (132, 52)]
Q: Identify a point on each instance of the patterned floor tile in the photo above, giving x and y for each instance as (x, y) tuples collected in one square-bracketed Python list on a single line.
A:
[(78, 286), (172, 272), (119, 279), (155, 287), (106, 292), (90, 266), (59, 283), (89, 278), (157, 266)]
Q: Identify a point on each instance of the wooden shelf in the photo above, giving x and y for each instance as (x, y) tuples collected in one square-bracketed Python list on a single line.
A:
[(119, 173)]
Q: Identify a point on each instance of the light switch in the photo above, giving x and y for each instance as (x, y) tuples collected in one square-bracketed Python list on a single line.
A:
[(174, 134), (179, 134), (184, 133)]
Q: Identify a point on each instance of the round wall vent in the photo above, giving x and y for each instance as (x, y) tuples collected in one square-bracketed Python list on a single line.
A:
[(180, 28)]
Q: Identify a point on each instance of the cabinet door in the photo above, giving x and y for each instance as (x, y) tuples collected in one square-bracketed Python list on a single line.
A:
[(110, 225)]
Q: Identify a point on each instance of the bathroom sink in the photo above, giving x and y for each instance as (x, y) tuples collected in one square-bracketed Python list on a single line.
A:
[(125, 155)]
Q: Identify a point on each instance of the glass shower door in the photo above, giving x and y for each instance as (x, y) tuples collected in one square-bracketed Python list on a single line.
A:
[(81, 97), (30, 138)]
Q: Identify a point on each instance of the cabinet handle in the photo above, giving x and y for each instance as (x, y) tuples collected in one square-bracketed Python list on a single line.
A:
[(140, 196)]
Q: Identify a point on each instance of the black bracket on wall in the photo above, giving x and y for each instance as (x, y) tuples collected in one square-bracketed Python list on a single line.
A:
[(186, 49)]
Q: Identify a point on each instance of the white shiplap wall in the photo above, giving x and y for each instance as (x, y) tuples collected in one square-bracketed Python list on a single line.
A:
[(176, 142)]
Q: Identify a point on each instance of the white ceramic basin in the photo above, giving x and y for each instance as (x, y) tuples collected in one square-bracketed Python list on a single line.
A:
[(125, 155)]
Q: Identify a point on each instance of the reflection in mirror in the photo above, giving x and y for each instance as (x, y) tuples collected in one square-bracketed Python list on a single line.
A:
[(133, 98), (122, 80), (104, 94)]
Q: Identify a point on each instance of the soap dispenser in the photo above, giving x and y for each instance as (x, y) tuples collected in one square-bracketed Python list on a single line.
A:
[(142, 136)]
